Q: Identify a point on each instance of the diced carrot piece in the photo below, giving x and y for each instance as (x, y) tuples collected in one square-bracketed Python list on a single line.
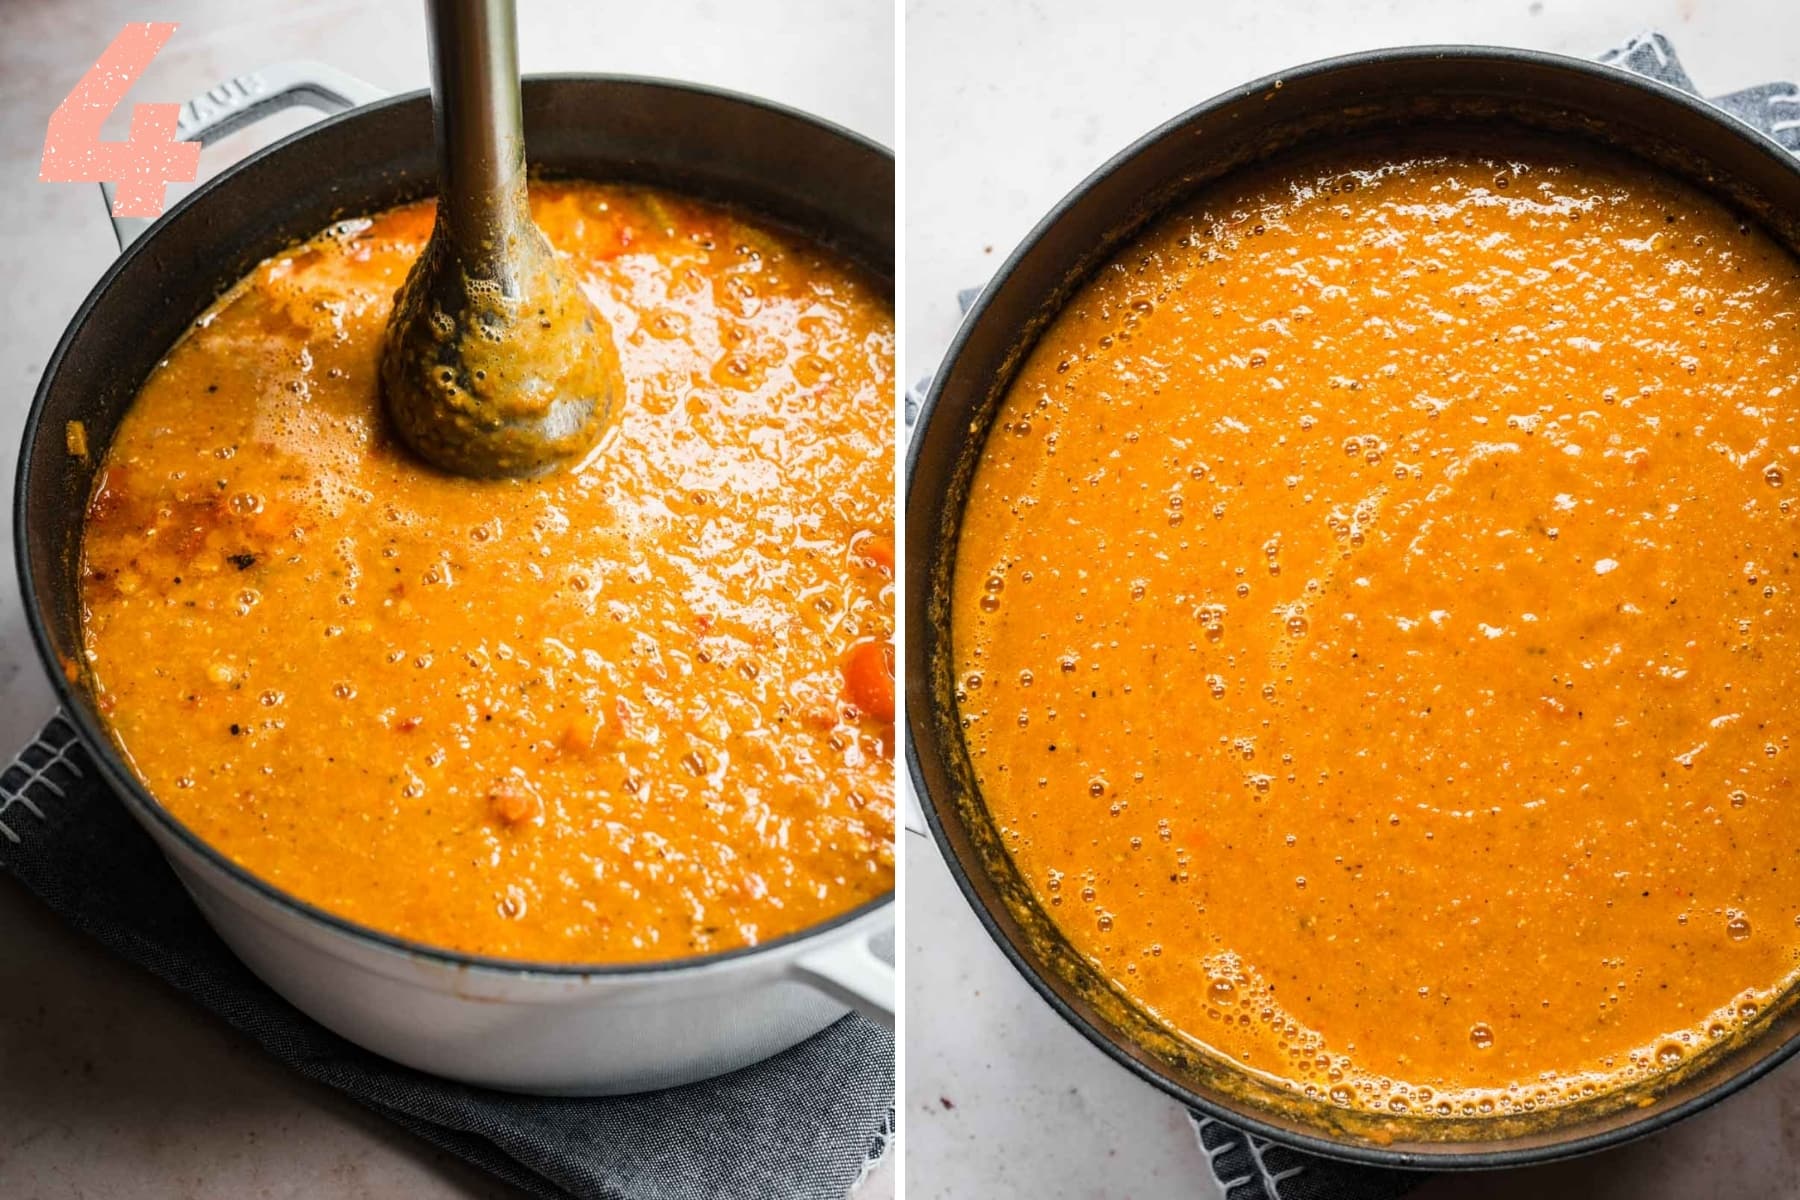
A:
[(580, 734), (869, 678), (513, 803)]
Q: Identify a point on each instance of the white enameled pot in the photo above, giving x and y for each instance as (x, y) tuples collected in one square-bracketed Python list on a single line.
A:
[(555, 1029)]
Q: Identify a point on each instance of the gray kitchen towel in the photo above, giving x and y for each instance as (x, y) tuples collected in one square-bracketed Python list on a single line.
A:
[(1253, 1168), (802, 1124)]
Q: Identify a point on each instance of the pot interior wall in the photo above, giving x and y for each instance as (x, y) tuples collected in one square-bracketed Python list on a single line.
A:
[(1481, 92)]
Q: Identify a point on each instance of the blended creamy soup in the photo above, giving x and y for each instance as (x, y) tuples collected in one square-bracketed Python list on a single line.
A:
[(638, 710), (1376, 628)]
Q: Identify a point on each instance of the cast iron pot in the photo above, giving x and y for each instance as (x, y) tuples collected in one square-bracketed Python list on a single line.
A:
[(554, 1029), (1359, 95)]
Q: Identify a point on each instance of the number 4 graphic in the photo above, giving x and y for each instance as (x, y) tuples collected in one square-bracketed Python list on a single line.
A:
[(149, 158)]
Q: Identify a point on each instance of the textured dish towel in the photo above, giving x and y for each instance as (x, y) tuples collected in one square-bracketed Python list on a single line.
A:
[(1251, 1168), (806, 1123)]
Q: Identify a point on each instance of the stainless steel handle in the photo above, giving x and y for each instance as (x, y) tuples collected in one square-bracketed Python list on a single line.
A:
[(857, 970), (480, 131), (246, 99)]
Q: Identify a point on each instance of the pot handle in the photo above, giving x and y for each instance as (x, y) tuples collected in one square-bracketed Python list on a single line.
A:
[(242, 101), (854, 971)]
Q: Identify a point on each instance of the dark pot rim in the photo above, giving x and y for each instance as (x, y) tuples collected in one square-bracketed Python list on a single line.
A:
[(100, 746), (1459, 1156)]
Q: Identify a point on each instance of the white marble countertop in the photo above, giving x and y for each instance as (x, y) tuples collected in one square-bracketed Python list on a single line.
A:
[(1009, 104), (111, 1085)]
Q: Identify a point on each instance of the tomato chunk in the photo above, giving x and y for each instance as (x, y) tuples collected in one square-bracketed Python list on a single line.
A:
[(875, 550), (869, 678), (513, 802)]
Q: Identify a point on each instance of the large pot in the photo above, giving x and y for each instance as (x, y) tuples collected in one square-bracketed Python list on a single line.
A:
[(1364, 93), (554, 1029)]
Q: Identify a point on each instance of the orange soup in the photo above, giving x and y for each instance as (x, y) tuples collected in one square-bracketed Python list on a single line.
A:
[(639, 710), (1376, 627)]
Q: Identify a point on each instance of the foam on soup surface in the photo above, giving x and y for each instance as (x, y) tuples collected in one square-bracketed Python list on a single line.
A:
[(633, 711), (1375, 624)]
